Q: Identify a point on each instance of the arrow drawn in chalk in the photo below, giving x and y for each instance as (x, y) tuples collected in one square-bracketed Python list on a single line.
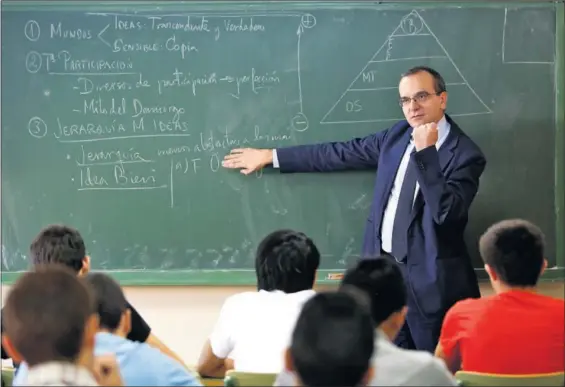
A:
[(101, 38)]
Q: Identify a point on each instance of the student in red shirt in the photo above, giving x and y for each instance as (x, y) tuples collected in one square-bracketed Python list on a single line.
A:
[(517, 330)]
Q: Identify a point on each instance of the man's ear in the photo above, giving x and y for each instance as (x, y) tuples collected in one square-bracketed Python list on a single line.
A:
[(369, 375), (288, 363), (491, 273), (11, 350), (125, 323), (90, 330), (85, 266), (543, 267)]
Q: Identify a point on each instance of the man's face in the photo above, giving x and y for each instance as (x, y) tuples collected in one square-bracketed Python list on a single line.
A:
[(419, 100)]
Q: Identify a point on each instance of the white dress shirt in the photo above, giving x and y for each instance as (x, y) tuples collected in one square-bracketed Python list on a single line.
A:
[(390, 209)]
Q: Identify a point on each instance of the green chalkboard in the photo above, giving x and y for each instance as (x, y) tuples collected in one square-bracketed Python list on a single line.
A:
[(115, 118)]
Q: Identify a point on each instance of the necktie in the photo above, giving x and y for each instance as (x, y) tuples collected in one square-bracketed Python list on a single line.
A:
[(403, 213)]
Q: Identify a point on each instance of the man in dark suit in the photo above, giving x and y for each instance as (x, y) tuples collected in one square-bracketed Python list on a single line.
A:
[(427, 177)]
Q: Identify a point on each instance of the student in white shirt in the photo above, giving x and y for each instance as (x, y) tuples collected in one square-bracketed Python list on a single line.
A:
[(254, 328)]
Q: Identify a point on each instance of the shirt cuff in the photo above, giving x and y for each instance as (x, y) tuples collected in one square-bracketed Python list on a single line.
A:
[(275, 159)]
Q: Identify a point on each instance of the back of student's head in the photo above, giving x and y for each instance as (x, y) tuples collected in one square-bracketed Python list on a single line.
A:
[(109, 300), (48, 316), (332, 342), (382, 280), (286, 260), (515, 250), (58, 244)]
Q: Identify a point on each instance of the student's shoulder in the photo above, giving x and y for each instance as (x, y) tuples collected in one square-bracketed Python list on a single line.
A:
[(243, 298), (166, 370), (468, 305), (426, 368)]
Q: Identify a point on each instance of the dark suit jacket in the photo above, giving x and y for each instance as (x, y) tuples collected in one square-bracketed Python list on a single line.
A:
[(439, 268)]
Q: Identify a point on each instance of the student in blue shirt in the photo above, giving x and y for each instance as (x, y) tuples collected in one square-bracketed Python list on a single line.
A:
[(140, 364)]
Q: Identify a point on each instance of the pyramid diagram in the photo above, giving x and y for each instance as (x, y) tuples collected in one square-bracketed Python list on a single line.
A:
[(373, 95)]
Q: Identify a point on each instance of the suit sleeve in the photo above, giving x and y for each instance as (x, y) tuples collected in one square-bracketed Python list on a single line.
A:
[(359, 153), (449, 197)]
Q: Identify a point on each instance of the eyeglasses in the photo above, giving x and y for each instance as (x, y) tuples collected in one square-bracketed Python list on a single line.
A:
[(420, 97)]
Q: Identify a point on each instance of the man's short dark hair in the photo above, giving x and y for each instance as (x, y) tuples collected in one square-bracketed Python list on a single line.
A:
[(109, 300), (286, 260), (515, 250), (382, 280), (46, 313), (439, 83), (333, 340), (58, 244)]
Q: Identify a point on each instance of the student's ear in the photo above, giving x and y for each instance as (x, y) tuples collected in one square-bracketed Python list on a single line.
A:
[(288, 363), (85, 266), (491, 273), (398, 318), (543, 267), (125, 323), (369, 375), (90, 330), (11, 350)]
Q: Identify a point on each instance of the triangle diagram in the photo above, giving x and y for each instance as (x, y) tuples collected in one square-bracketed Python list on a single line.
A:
[(373, 94)]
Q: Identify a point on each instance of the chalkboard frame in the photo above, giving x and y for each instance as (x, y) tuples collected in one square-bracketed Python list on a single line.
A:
[(247, 277)]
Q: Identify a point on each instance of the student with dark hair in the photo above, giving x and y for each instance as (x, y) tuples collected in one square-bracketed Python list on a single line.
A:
[(51, 325), (381, 280), (517, 330), (253, 328), (332, 342), (140, 364), (60, 244)]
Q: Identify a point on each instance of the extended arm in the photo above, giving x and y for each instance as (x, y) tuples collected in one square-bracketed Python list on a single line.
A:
[(448, 197), (358, 153)]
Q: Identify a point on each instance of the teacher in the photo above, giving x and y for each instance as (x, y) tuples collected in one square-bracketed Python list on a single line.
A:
[(428, 173)]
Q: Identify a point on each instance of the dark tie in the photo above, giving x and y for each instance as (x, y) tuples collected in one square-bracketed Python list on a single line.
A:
[(403, 213)]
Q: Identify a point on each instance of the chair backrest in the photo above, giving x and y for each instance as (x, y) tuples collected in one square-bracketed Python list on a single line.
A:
[(251, 379), (7, 377), (466, 378)]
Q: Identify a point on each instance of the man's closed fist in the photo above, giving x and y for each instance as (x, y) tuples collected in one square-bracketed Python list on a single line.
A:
[(425, 135)]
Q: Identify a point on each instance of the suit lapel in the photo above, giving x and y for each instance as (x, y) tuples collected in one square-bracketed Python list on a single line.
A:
[(394, 157)]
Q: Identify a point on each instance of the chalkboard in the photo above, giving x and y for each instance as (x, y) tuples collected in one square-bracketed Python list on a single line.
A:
[(115, 118)]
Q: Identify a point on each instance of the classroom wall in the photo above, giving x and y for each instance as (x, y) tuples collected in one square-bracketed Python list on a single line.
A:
[(184, 316)]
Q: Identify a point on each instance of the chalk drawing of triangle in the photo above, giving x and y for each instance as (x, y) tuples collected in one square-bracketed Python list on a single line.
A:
[(373, 94)]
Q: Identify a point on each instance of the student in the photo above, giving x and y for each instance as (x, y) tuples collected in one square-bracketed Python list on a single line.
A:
[(517, 330), (50, 324), (64, 245), (140, 364), (332, 343), (382, 281), (254, 328)]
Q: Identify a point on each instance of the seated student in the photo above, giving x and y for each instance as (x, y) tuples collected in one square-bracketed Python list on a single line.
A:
[(332, 342), (140, 364), (254, 328), (51, 324), (382, 281), (64, 245), (517, 330)]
